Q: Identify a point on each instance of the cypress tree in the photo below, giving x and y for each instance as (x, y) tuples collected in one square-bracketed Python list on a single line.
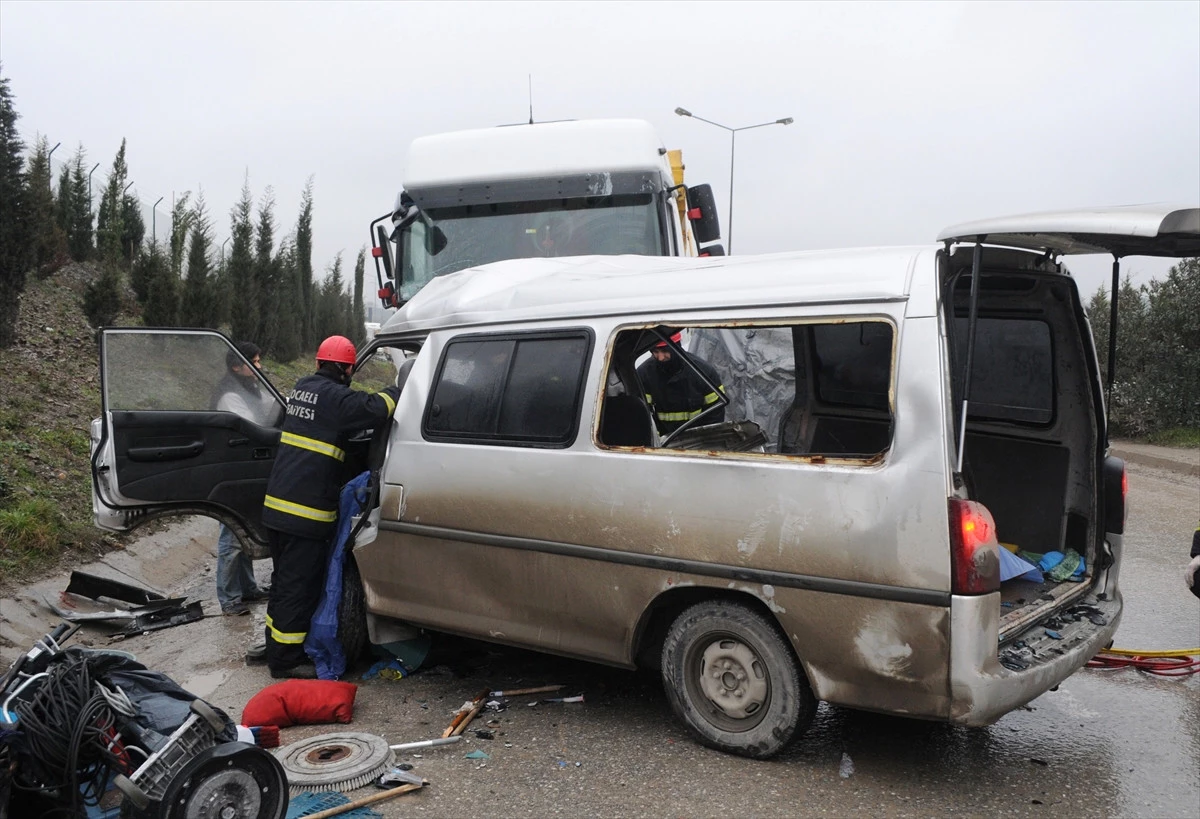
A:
[(49, 240), (102, 299), (133, 227), (14, 236), (266, 273), (287, 345), (357, 330), (304, 268), (243, 290), (329, 314), (162, 292), (198, 307), (79, 234), (110, 222), (64, 204)]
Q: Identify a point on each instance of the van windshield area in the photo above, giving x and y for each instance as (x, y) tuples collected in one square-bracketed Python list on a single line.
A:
[(472, 235)]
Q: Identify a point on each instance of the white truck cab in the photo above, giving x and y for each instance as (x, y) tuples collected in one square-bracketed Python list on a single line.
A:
[(571, 188)]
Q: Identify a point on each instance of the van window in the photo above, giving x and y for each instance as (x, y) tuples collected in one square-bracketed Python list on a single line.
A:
[(804, 389), (853, 363), (1012, 376), (512, 389)]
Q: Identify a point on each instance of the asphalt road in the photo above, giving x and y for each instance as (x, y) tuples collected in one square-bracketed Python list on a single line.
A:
[(1106, 743)]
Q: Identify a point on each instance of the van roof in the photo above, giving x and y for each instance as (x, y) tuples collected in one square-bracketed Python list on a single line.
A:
[(543, 149), (588, 286)]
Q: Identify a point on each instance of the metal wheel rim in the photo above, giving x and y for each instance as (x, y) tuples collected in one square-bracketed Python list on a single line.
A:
[(329, 761), (728, 681), (230, 794)]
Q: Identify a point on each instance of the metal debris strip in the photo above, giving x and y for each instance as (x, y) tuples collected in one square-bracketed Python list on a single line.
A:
[(95, 587), (89, 597)]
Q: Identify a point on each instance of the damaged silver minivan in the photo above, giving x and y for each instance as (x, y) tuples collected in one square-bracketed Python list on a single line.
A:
[(894, 418)]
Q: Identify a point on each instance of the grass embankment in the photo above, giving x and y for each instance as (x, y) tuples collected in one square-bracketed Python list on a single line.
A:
[(51, 392), (1188, 437)]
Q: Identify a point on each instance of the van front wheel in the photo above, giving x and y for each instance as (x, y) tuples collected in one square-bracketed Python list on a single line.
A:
[(734, 681)]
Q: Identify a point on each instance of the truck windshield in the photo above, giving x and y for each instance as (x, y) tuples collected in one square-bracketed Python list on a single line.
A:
[(492, 232)]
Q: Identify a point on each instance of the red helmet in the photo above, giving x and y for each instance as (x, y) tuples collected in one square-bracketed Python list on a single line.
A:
[(676, 338), (338, 349)]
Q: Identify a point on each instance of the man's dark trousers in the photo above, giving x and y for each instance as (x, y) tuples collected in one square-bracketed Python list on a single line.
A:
[(296, 583)]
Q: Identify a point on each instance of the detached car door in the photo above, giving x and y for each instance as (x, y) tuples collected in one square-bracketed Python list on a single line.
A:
[(161, 448)]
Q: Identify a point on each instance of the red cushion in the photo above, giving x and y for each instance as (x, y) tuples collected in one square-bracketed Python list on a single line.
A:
[(301, 702)]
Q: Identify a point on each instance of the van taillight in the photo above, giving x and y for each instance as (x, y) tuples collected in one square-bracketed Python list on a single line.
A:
[(974, 555)]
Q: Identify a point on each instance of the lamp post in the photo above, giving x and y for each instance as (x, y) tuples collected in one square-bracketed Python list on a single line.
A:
[(121, 206), (49, 167), (683, 112), (154, 220), (92, 171)]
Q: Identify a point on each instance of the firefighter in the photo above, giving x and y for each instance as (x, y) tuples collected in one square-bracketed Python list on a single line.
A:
[(674, 391), (300, 509)]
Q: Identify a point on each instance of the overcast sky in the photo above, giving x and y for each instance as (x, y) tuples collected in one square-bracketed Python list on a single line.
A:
[(908, 117)]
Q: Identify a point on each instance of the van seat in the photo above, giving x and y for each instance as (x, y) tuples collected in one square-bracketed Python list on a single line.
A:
[(625, 421)]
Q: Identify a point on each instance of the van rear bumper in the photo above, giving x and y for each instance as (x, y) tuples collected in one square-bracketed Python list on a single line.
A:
[(982, 689)]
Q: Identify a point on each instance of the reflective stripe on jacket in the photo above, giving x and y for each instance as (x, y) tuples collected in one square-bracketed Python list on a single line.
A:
[(302, 492), (677, 394)]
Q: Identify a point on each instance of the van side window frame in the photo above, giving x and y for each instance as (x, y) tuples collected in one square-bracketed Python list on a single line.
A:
[(495, 404), (742, 439)]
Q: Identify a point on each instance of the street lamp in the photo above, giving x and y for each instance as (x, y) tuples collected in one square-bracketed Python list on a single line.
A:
[(92, 171), (154, 220), (49, 167), (683, 112)]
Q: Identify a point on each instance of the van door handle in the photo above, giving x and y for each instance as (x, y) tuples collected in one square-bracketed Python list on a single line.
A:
[(166, 453)]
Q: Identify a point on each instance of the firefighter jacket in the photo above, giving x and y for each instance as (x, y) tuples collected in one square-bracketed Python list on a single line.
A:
[(675, 393), (302, 492)]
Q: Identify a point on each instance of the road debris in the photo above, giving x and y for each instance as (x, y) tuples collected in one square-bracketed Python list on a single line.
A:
[(426, 743)]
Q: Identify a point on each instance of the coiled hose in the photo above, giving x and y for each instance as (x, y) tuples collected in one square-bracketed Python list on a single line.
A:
[(1177, 663)]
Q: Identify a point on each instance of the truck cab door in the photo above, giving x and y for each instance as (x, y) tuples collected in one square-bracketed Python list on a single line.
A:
[(162, 449)]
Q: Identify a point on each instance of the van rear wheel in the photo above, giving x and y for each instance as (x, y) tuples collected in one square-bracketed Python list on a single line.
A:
[(734, 681)]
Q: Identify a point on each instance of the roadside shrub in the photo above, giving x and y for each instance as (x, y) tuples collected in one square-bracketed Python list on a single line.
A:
[(102, 300), (32, 525)]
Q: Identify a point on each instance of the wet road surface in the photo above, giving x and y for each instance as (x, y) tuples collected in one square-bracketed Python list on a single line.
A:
[(1106, 743)]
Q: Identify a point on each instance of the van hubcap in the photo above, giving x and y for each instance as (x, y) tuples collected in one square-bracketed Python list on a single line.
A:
[(734, 678)]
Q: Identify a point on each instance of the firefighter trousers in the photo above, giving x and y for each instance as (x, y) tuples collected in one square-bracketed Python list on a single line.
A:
[(297, 578)]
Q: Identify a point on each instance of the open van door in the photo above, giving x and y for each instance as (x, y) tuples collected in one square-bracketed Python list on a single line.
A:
[(1170, 231), (1131, 230), (162, 448)]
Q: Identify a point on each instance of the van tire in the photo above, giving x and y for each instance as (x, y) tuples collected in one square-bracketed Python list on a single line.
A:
[(352, 613), (767, 703)]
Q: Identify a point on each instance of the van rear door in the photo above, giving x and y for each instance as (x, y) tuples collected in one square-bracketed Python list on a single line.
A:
[(1131, 230)]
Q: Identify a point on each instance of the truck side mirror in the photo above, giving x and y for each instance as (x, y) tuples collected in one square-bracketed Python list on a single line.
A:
[(713, 250), (383, 255), (702, 212)]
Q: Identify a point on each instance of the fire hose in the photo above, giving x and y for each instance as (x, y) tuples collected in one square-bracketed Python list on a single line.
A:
[(1175, 663)]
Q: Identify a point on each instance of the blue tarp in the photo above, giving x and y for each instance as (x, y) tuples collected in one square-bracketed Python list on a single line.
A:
[(322, 643), (1012, 566)]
